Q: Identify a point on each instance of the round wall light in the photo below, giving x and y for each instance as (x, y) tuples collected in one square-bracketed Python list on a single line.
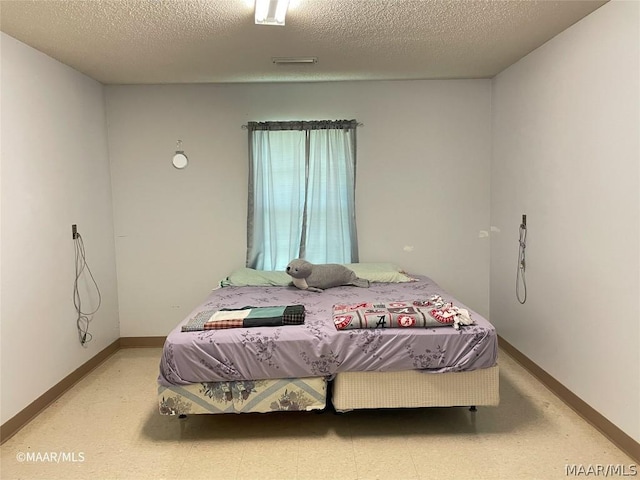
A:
[(180, 160)]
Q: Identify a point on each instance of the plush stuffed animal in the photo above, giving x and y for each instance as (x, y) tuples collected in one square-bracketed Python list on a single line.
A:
[(307, 276)]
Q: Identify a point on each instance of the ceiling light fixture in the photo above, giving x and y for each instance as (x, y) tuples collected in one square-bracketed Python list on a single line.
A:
[(271, 12), (289, 60)]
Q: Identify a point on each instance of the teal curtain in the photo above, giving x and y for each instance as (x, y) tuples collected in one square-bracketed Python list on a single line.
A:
[(301, 193)]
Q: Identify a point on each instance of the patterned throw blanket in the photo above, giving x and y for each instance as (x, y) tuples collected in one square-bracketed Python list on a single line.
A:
[(434, 312), (246, 317)]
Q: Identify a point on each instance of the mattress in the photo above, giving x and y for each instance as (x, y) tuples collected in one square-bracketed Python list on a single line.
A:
[(316, 348)]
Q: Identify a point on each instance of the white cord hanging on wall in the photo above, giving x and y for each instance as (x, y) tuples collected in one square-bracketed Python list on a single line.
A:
[(521, 295), (180, 160)]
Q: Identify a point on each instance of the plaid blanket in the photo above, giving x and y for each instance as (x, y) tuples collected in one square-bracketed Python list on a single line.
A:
[(246, 317), (433, 312)]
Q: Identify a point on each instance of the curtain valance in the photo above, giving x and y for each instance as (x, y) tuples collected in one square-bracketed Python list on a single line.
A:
[(304, 125)]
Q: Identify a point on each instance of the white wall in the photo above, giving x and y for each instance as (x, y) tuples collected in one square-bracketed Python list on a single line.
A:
[(566, 152), (55, 172), (422, 181)]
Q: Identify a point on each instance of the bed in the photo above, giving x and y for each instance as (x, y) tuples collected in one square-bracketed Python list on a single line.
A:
[(294, 367)]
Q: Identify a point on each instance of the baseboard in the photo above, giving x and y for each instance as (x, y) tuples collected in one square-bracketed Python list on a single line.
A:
[(142, 342), (623, 441), (13, 425)]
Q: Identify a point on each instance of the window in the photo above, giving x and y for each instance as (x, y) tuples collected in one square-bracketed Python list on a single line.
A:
[(301, 193)]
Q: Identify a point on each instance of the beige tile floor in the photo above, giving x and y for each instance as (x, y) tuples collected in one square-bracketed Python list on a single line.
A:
[(108, 427)]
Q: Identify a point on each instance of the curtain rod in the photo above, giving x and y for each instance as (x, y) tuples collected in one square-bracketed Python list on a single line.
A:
[(244, 127)]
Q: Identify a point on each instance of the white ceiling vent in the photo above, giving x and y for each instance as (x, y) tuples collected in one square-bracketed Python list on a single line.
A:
[(294, 60)]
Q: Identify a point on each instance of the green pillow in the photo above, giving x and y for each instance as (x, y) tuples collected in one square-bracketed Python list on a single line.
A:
[(379, 272), (245, 277)]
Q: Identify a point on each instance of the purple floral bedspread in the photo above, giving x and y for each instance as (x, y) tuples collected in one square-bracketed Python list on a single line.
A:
[(317, 348)]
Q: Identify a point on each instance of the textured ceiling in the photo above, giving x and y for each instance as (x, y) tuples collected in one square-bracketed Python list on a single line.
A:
[(201, 41)]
